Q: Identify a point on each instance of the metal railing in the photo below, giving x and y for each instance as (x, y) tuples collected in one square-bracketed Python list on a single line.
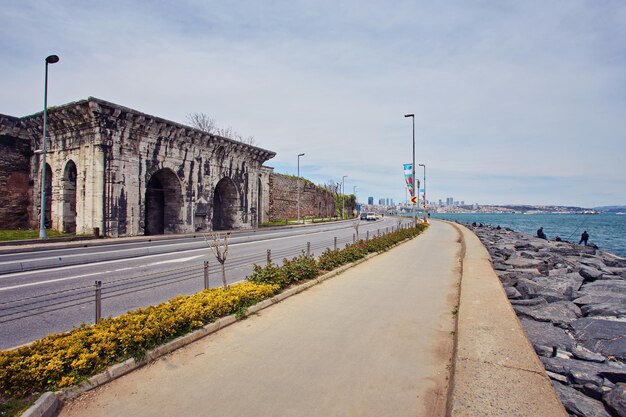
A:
[(99, 292)]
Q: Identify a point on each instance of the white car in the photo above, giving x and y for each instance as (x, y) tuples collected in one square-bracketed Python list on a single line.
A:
[(371, 216)]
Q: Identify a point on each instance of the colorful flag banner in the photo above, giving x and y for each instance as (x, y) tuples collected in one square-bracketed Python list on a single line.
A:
[(408, 177)]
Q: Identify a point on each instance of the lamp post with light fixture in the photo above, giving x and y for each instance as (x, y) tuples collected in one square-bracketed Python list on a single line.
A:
[(52, 59)]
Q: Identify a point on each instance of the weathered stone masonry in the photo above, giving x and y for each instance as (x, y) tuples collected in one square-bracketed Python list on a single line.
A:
[(283, 203), (129, 173), (15, 189)]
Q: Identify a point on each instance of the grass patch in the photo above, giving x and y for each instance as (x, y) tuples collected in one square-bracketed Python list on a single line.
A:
[(18, 234)]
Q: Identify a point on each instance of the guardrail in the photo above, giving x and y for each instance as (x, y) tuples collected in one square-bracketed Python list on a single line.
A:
[(99, 292)]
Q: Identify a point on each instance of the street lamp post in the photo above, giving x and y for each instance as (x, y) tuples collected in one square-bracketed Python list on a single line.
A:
[(412, 116), (299, 155), (424, 215), (52, 59), (343, 197)]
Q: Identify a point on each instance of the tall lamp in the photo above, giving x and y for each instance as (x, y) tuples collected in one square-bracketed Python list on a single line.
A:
[(52, 59)]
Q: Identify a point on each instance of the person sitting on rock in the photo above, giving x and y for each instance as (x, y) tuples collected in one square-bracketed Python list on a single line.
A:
[(558, 238), (584, 238), (540, 233)]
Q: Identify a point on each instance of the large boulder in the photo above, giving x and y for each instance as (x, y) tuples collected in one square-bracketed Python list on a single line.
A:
[(600, 335), (517, 261), (583, 372), (617, 310), (590, 273), (579, 404), (544, 336), (615, 400), (559, 313)]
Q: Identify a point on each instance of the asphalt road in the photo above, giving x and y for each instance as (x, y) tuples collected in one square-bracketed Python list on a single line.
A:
[(51, 289)]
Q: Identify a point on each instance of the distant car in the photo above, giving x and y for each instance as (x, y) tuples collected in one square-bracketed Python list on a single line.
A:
[(371, 216), (363, 215)]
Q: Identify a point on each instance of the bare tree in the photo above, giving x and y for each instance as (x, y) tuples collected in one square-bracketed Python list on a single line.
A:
[(356, 225), (206, 123), (203, 122), (220, 251)]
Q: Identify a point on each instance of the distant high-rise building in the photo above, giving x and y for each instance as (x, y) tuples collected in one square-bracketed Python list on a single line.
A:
[(386, 201), (370, 201), (381, 201), (391, 200), (462, 202), (449, 201)]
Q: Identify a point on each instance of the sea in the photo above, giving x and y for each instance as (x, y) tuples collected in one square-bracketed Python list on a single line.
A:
[(607, 231)]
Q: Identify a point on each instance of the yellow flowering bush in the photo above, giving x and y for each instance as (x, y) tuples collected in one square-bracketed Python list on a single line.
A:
[(61, 360)]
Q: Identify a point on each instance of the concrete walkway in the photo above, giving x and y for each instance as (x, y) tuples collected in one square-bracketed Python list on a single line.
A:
[(376, 340)]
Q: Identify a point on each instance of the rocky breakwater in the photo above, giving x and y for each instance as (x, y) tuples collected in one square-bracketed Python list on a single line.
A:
[(571, 301)]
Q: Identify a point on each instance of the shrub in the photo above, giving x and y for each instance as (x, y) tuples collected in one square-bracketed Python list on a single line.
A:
[(300, 268), (61, 360)]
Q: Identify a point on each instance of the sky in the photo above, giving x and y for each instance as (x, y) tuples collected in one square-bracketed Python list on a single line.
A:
[(515, 102)]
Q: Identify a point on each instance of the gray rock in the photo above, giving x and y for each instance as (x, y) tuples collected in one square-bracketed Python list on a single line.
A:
[(590, 273), (600, 298), (600, 335), (512, 293), (528, 288), (529, 302), (559, 313), (603, 286), (564, 284), (578, 403), (621, 272), (583, 372), (617, 310), (545, 335), (594, 262), (615, 400), (584, 354), (499, 266), (521, 262)]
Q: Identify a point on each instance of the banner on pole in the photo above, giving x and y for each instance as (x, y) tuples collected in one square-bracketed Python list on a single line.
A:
[(408, 177)]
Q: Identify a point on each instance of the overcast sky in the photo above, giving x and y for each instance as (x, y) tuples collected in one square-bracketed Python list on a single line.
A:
[(514, 101)]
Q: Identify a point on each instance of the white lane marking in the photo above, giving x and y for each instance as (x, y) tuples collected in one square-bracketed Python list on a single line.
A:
[(70, 267), (174, 261)]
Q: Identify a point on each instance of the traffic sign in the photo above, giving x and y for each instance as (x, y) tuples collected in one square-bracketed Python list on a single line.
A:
[(414, 199)]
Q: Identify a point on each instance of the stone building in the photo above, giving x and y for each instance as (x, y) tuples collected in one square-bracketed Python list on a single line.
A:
[(128, 173)]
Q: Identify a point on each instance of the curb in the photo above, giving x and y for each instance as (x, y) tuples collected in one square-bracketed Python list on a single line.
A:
[(496, 371), (48, 403)]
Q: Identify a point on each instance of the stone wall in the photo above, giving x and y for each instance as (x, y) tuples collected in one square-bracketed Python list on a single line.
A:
[(130, 173), (15, 181), (283, 202)]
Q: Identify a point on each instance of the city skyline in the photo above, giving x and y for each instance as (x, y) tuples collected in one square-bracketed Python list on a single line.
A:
[(514, 103)]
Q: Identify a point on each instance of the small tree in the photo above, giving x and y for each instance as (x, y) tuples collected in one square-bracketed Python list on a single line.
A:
[(219, 250), (356, 225)]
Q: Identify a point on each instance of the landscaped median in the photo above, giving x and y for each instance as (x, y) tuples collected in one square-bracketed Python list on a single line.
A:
[(62, 360)]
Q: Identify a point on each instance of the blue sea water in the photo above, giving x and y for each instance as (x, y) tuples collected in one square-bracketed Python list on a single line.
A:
[(608, 231)]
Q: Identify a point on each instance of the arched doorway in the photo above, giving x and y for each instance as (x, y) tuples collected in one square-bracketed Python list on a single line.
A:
[(163, 203), (225, 205), (259, 202), (48, 191), (69, 197)]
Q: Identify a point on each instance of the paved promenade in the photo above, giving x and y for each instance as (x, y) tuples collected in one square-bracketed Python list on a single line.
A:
[(376, 340)]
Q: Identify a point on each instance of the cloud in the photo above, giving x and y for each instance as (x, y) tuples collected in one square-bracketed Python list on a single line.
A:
[(526, 99)]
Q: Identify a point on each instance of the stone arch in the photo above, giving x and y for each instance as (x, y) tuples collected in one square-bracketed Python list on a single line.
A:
[(163, 203), (225, 205), (259, 201), (68, 197), (48, 202)]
